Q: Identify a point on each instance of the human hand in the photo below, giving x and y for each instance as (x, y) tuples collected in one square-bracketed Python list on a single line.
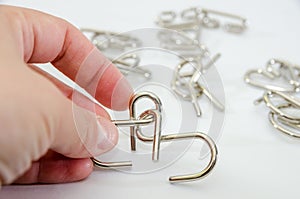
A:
[(49, 131)]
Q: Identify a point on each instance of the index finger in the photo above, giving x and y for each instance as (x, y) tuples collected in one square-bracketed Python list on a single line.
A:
[(43, 38)]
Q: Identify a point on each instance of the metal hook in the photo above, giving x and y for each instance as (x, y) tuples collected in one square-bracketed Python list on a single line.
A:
[(181, 136), (207, 169)]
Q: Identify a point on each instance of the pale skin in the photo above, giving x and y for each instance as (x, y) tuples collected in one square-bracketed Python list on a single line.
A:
[(41, 140)]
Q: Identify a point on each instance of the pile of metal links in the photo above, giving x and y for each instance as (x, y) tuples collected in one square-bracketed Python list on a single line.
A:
[(281, 83), (183, 38)]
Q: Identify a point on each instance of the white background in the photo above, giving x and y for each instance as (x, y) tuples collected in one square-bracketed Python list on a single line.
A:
[(255, 161)]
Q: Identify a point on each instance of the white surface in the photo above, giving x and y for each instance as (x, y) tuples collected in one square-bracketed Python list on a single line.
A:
[(255, 161)]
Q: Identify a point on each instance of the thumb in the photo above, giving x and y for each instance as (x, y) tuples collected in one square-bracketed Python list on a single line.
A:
[(81, 133), (36, 117)]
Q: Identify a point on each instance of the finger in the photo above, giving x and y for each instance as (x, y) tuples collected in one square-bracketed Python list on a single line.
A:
[(74, 95), (57, 171), (50, 39), (99, 77)]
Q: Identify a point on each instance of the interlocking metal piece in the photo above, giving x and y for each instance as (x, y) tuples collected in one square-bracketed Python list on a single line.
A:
[(154, 115)]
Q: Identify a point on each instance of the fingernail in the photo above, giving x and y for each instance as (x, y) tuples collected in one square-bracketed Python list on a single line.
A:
[(108, 135), (121, 95)]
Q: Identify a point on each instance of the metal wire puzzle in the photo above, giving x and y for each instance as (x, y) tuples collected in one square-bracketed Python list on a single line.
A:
[(155, 116)]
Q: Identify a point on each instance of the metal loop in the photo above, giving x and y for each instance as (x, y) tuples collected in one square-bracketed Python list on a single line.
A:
[(209, 22), (234, 28), (287, 98), (190, 13), (283, 125), (166, 17), (132, 106), (156, 138)]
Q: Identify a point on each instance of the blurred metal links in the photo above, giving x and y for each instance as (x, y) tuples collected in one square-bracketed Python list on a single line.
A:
[(280, 80)]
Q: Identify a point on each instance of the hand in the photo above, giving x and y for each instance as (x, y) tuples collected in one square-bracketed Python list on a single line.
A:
[(48, 130)]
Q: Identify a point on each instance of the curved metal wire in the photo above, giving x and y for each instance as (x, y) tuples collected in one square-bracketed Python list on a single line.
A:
[(191, 89), (271, 75), (140, 122), (132, 106), (283, 124), (288, 98), (275, 69), (154, 115), (180, 136), (107, 165)]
